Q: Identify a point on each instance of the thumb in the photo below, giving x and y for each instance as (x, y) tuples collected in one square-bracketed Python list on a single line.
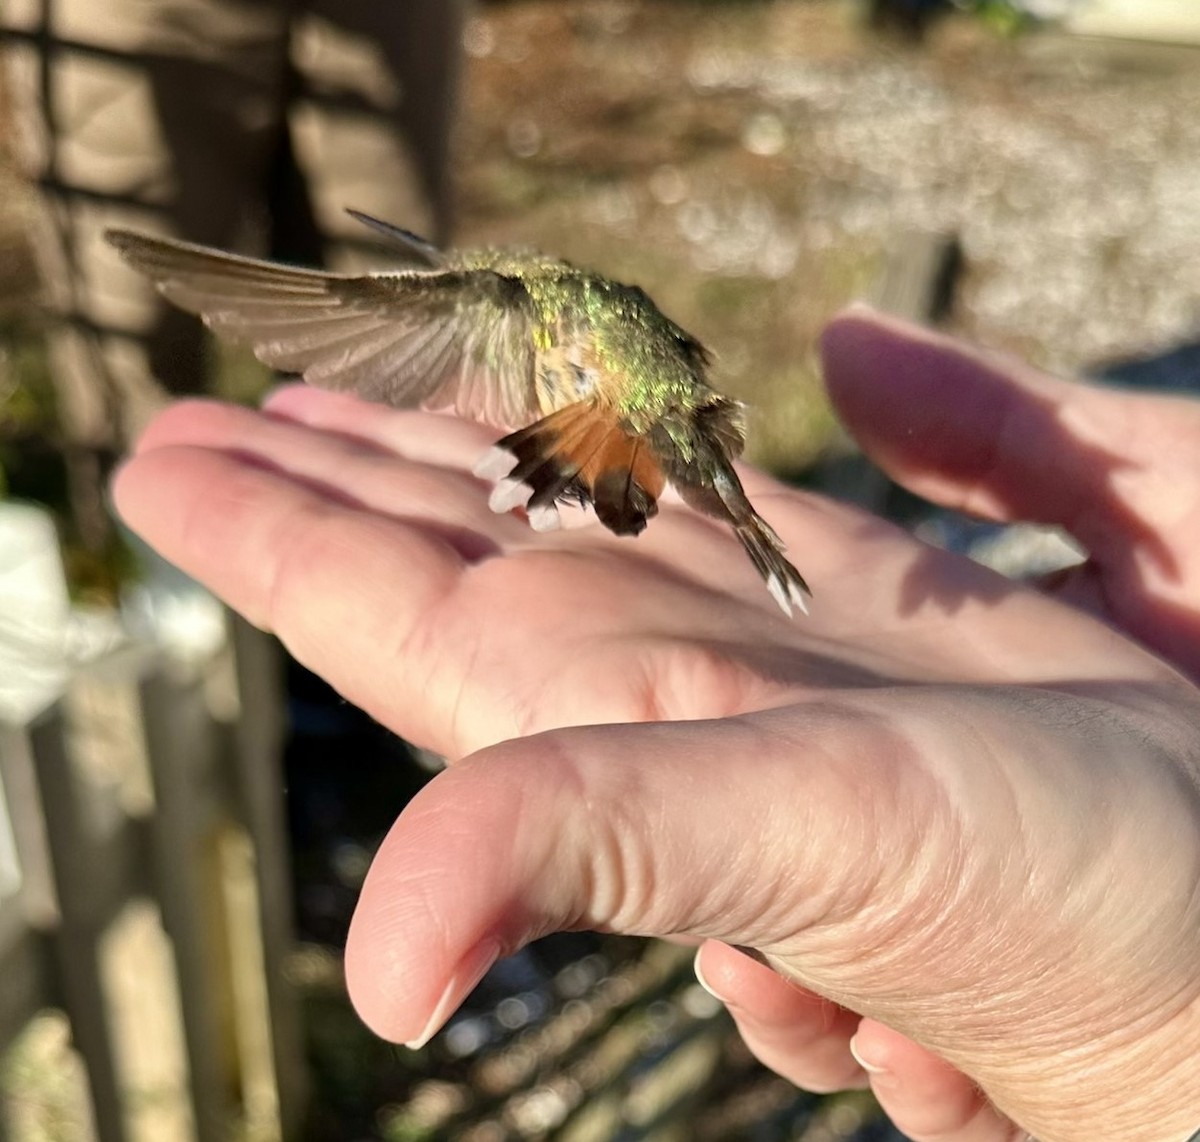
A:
[(639, 829), (998, 439), (863, 842)]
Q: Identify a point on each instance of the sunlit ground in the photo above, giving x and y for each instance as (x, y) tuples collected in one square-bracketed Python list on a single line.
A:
[(751, 164)]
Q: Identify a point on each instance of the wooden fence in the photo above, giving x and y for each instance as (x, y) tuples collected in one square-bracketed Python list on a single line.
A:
[(144, 804)]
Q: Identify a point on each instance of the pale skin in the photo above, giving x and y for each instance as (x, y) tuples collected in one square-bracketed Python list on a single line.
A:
[(959, 817)]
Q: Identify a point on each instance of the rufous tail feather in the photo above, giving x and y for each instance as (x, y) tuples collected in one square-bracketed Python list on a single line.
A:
[(580, 452), (583, 452)]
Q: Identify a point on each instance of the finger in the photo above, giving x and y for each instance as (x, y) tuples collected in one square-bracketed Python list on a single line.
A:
[(425, 436), (820, 1046), (428, 436), (927, 1098), (238, 524), (982, 434), (797, 1033), (403, 482), (444, 440), (410, 465), (582, 829), (346, 590), (408, 617), (1001, 440), (239, 499), (976, 433), (418, 436)]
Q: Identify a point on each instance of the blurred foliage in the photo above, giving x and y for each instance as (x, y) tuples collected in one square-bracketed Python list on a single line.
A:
[(34, 460), (913, 16), (43, 1084), (27, 409), (238, 375), (1003, 15)]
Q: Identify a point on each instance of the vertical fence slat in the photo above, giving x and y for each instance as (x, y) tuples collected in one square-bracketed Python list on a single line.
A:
[(259, 735), (28, 914), (27, 986), (38, 904), (181, 745), (77, 941)]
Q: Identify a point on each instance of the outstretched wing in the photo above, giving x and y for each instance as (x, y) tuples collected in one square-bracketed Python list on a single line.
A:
[(444, 338)]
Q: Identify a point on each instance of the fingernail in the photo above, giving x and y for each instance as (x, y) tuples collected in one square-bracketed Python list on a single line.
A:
[(701, 980), (869, 1067), (471, 969)]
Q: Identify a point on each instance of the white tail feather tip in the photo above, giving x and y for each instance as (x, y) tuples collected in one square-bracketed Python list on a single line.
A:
[(797, 596), (544, 517), (509, 494), (779, 594), (494, 464)]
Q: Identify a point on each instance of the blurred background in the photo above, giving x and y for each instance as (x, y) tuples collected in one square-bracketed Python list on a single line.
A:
[(185, 816)]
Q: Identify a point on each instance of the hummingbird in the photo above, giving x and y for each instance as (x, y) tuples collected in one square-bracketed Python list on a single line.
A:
[(604, 398)]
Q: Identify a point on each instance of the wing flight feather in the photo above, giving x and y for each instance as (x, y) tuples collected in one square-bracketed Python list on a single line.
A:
[(440, 338)]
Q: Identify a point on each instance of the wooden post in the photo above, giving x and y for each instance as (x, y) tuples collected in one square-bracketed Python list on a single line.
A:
[(27, 914), (76, 861), (919, 274), (258, 758), (181, 744)]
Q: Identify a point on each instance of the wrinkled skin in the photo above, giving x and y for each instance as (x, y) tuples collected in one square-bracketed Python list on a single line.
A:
[(960, 817)]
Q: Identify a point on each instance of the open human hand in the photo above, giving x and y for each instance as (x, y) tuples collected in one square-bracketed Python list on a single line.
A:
[(946, 803)]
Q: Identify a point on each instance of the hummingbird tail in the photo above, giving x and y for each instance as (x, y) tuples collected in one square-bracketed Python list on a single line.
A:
[(584, 453), (709, 483), (765, 548)]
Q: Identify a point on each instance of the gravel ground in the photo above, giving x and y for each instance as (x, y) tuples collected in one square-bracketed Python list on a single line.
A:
[(749, 163)]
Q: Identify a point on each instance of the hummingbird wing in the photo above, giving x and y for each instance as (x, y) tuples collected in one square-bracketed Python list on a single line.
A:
[(435, 338)]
